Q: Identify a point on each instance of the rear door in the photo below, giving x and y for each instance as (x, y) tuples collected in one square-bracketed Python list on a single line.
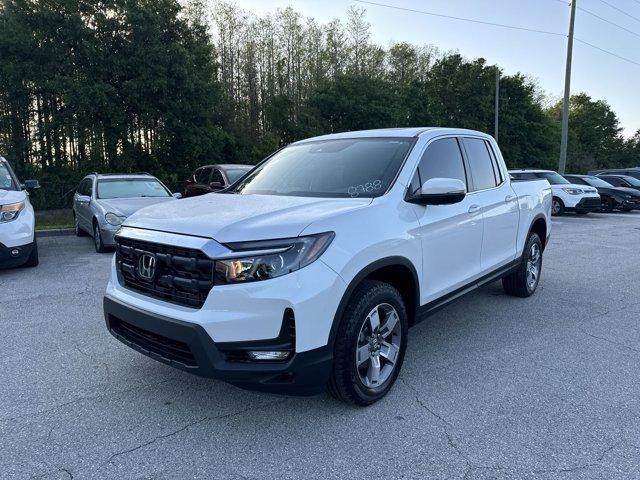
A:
[(497, 201)]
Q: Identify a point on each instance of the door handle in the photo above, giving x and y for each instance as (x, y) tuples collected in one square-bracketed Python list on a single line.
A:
[(508, 198), (473, 209)]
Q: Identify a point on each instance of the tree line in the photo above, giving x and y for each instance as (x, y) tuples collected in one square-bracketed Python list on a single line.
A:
[(165, 86)]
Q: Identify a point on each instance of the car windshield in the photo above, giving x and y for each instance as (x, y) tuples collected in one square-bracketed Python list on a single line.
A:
[(342, 168), (6, 179), (234, 174), (596, 182), (632, 180), (131, 188), (553, 178)]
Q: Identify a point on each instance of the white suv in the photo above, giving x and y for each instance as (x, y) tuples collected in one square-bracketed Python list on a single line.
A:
[(309, 271), (18, 245), (567, 196)]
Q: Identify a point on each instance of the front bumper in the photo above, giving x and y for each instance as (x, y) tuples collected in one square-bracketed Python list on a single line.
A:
[(108, 233), (15, 256), (187, 346), (587, 204)]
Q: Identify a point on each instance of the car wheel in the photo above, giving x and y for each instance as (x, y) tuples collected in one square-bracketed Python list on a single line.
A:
[(33, 259), (524, 281), (607, 205), (370, 344), (97, 239), (76, 225), (557, 207)]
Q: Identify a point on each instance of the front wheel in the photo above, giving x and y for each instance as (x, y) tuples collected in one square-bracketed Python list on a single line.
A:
[(524, 281), (370, 344), (557, 207), (97, 239)]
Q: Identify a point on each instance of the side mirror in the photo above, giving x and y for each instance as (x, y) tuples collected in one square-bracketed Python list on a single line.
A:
[(84, 199), (30, 185), (440, 191), (177, 195), (216, 185)]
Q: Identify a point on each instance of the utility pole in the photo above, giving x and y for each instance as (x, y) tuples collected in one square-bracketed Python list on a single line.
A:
[(567, 92), (497, 111)]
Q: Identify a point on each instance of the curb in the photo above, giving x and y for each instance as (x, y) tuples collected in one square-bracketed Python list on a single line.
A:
[(55, 232)]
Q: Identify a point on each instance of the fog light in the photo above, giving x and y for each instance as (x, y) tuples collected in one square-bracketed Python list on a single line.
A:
[(15, 252), (268, 355)]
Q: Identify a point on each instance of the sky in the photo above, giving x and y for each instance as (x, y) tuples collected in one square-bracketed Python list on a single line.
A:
[(540, 56)]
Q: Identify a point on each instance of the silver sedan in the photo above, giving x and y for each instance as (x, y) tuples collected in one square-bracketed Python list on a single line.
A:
[(102, 202)]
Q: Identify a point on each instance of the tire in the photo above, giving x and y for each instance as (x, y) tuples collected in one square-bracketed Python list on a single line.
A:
[(607, 205), (79, 231), (97, 239), (519, 282), (33, 259), (557, 207), (356, 349)]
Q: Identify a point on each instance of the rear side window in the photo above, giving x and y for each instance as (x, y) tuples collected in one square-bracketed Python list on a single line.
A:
[(441, 159), (481, 164)]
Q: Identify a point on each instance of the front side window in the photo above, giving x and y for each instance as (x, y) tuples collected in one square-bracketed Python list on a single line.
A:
[(339, 168), (217, 177), (6, 178), (131, 188), (553, 178), (441, 159), (481, 164), (616, 182)]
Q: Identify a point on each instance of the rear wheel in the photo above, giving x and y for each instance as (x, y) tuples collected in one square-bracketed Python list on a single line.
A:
[(370, 344), (524, 281), (557, 207)]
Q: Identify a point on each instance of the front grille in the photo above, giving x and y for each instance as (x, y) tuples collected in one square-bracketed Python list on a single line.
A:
[(167, 348), (590, 202), (182, 275)]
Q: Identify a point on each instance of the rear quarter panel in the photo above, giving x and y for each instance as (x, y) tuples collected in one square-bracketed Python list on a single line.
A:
[(534, 201)]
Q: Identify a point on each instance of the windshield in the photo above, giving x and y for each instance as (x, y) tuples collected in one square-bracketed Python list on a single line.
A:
[(342, 168), (131, 188), (234, 174), (553, 178), (6, 179), (632, 180), (597, 182)]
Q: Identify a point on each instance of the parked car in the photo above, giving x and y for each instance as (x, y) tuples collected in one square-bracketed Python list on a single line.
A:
[(18, 246), (613, 198), (213, 178), (103, 201), (625, 181), (310, 270), (567, 197), (631, 172)]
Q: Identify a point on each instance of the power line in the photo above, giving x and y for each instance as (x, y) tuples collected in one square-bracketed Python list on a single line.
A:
[(513, 27), (470, 20), (620, 10), (589, 12), (607, 52)]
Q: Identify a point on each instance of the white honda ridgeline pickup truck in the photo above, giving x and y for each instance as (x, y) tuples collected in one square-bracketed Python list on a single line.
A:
[(309, 271)]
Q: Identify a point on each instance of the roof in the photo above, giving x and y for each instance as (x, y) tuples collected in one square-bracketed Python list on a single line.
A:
[(225, 166), (408, 132), (530, 170)]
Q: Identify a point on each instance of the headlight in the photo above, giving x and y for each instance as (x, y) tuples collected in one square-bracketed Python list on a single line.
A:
[(11, 211), (573, 191), (113, 219), (279, 258)]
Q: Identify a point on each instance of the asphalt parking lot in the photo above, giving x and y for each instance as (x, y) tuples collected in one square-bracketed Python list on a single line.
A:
[(492, 386)]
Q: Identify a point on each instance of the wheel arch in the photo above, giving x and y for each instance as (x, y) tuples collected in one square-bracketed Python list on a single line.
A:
[(539, 226), (397, 271)]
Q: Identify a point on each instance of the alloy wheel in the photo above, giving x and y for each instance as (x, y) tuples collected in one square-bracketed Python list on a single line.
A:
[(555, 207), (378, 346), (534, 263)]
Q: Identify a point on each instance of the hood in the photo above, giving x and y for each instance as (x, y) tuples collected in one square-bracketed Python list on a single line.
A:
[(128, 206), (235, 218), (626, 190), (11, 196)]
